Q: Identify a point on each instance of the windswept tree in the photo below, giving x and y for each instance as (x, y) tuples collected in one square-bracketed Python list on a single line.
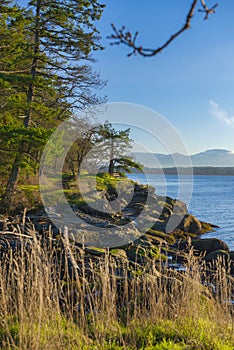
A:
[(45, 71), (115, 145)]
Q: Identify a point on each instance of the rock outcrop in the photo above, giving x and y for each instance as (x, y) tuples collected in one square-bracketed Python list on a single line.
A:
[(147, 227)]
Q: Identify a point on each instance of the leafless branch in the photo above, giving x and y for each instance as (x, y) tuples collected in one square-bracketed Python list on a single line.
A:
[(123, 36), (206, 9)]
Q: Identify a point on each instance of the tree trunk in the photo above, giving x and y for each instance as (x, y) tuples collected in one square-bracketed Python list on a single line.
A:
[(11, 185), (15, 171), (111, 167), (111, 161)]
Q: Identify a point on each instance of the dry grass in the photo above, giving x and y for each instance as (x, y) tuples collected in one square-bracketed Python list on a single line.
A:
[(109, 303)]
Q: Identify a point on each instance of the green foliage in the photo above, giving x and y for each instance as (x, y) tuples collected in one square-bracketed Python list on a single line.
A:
[(12, 135), (45, 73), (66, 35), (126, 163), (12, 330), (169, 335), (163, 335), (85, 138), (115, 146)]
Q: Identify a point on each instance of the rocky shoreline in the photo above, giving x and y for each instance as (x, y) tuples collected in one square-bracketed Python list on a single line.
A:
[(169, 231)]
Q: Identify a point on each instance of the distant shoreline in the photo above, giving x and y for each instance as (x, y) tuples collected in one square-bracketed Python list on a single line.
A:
[(211, 171)]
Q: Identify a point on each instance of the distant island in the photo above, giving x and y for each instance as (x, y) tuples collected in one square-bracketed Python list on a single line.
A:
[(209, 159), (224, 171)]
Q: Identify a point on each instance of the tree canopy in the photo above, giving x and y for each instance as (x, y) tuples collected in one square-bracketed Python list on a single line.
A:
[(115, 146), (45, 74)]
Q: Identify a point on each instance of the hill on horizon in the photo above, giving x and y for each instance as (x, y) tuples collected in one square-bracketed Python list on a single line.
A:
[(208, 158)]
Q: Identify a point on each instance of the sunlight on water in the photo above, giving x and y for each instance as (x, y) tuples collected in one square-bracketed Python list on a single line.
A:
[(212, 199)]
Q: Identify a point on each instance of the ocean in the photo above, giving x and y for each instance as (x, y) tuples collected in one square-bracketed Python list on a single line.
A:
[(209, 198)]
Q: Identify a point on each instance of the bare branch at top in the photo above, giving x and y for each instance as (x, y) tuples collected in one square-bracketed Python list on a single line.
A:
[(125, 37)]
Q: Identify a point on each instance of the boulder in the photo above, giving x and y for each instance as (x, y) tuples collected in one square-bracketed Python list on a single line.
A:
[(100, 208), (166, 212), (208, 245), (152, 200), (158, 236), (138, 199), (231, 254), (207, 227), (191, 224), (142, 249), (118, 253), (159, 225), (185, 223), (174, 222), (218, 254), (179, 208), (95, 251), (144, 189), (226, 259)]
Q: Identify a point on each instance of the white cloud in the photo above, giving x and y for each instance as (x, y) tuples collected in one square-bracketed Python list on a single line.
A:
[(221, 114)]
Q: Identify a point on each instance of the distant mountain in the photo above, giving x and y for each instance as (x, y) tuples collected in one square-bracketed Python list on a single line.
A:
[(212, 158)]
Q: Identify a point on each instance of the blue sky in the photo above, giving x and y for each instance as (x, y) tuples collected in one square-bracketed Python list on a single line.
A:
[(191, 83)]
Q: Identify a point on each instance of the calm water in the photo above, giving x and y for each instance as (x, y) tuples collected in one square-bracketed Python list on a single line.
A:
[(212, 198)]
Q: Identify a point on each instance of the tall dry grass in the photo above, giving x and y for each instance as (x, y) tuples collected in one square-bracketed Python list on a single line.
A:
[(53, 296)]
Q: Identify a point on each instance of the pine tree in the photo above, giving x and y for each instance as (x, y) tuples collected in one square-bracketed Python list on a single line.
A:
[(116, 144), (45, 72)]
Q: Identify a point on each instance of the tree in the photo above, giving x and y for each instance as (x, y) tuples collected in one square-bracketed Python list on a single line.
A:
[(45, 73), (86, 138), (116, 145), (125, 37)]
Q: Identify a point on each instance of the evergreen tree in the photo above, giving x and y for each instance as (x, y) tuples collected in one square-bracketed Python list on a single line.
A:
[(44, 71), (116, 145)]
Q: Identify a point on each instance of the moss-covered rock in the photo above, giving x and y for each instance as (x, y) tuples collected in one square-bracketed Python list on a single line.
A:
[(191, 224), (95, 251), (141, 251), (187, 223), (207, 227), (161, 235), (118, 253)]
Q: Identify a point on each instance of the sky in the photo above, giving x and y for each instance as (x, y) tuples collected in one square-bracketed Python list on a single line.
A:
[(190, 84)]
